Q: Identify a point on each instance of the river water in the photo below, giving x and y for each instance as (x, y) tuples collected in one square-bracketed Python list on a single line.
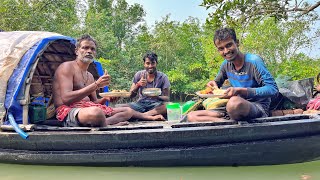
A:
[(302, 171)]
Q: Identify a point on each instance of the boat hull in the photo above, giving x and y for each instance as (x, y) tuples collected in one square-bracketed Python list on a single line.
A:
[(284, 151), (195, 144)]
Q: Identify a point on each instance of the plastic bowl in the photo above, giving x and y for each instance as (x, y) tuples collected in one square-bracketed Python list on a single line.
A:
[(151, 92)]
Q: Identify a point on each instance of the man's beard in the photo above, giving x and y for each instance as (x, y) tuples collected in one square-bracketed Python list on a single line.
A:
[(86, 60), (152, 71)]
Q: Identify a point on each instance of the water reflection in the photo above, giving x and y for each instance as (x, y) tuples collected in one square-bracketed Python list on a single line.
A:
[(303, 171)]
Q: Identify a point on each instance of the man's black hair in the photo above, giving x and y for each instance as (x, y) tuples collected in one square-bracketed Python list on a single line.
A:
[(152, 56), (83, 38), (225, 33)]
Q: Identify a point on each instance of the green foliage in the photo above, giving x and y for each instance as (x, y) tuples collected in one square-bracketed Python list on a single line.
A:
[(186, 52), (299, 67), (280, 44), (243, 12), (42, 15)]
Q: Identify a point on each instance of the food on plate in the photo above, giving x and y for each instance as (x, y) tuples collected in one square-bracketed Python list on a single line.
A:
[(208, 90), (119, 91), (219, 92)]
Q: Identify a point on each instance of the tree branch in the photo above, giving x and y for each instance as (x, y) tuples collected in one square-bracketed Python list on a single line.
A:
[(312, 8)]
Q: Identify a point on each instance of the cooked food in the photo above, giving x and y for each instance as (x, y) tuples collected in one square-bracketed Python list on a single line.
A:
[(218, 92), (119, 91), (206, 91)]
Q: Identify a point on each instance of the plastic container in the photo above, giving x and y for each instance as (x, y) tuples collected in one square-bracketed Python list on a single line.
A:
[(37, 113), (186, 106), (151, 92), (173, 111)]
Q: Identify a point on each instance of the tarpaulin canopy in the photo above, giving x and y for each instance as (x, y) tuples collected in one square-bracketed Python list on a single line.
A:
[(25, 55)]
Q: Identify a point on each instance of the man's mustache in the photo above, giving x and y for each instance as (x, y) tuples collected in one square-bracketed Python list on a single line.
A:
[(89, 56)]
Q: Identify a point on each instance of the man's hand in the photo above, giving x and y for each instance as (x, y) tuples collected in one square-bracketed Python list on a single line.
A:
[(212, 85), (111, 99), (143, 81), (104, 80), (318, 87), (234, 91), (231, 91)]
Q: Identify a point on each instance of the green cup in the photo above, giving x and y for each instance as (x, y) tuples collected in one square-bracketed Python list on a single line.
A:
[(173, 111)]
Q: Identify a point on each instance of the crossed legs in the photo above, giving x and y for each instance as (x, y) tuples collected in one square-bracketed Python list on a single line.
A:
[(237, 108), (94, 116)]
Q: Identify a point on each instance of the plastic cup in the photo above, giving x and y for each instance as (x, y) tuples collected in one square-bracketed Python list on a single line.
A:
[(173, 111)]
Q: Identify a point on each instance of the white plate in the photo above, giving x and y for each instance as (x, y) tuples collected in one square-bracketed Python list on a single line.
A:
[(115, 94), (207, 95)]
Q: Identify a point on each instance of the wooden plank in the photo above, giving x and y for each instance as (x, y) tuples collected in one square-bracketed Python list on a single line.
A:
[(54, 128), (201, 124), (27, 94), (279, 118), (28, 127), (112, 128)]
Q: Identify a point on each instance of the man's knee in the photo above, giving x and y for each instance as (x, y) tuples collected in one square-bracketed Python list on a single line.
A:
[(234, 104), (91, 116), (237, 108), (95, 112)]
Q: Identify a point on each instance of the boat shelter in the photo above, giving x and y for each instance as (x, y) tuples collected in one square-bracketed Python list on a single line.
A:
[(28, 60)]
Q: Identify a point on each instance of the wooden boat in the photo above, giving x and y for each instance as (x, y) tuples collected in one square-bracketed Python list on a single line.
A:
[(262, 141), (273, 140)]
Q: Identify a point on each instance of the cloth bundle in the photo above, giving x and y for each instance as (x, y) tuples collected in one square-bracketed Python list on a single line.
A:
[(212, 103), (62, 111)]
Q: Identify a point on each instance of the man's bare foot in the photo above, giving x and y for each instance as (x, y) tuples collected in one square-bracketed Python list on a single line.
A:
[(158, 117)]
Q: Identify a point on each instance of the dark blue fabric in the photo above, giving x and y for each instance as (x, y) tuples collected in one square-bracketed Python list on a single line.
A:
[(101, 72), (144, 105)]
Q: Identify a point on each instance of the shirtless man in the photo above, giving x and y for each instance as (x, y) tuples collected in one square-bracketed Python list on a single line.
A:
[(74, 92)]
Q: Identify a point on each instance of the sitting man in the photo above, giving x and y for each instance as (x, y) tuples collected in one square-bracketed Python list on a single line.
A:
[(150, 78), (74, 92), (252, 84)]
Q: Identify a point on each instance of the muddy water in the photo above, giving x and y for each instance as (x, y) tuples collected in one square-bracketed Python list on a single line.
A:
[(302, 171)]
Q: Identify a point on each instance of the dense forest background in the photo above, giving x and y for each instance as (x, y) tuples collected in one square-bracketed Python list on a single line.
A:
[(279, 31)]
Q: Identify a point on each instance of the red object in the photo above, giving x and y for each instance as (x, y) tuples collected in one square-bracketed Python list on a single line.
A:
[(314, 104), (62, 111)]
